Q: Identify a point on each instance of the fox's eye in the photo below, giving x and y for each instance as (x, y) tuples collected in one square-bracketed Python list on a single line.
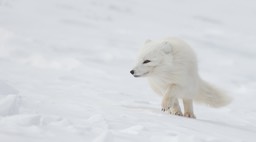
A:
[(146, 61)]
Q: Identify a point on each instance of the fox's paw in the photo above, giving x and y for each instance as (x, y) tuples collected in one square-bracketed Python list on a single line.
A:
[(166, 104), (163, 109), (189, 115), (175, 111)]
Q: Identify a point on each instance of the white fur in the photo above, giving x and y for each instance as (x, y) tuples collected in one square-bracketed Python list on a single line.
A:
[(172, 73)]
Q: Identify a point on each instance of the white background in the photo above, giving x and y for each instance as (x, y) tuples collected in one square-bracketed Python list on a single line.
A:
[(64, 70)]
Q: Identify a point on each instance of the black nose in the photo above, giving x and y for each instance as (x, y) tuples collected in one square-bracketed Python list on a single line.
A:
[(132, 72)]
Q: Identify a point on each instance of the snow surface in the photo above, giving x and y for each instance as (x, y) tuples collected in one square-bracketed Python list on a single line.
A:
[(65, 70)]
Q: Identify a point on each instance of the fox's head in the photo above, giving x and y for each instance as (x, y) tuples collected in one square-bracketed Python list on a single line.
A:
[(155, 57)]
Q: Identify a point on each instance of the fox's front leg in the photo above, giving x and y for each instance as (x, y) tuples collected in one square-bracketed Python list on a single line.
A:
[(167, 102), (175, 109), (171, 105), (170, 102)]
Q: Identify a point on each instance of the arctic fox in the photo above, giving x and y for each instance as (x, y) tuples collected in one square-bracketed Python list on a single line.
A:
[(171, 68)]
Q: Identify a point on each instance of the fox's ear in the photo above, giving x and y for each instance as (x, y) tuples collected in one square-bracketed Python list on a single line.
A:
[(166, 47), (147, 41)]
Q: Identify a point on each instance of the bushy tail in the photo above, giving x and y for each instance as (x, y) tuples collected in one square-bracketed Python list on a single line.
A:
[(212, 96)]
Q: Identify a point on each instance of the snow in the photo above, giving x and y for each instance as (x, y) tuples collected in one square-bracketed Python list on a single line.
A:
[(65, 70)]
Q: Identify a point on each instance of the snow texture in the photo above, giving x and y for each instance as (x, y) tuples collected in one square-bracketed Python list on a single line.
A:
[(65, 70)]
